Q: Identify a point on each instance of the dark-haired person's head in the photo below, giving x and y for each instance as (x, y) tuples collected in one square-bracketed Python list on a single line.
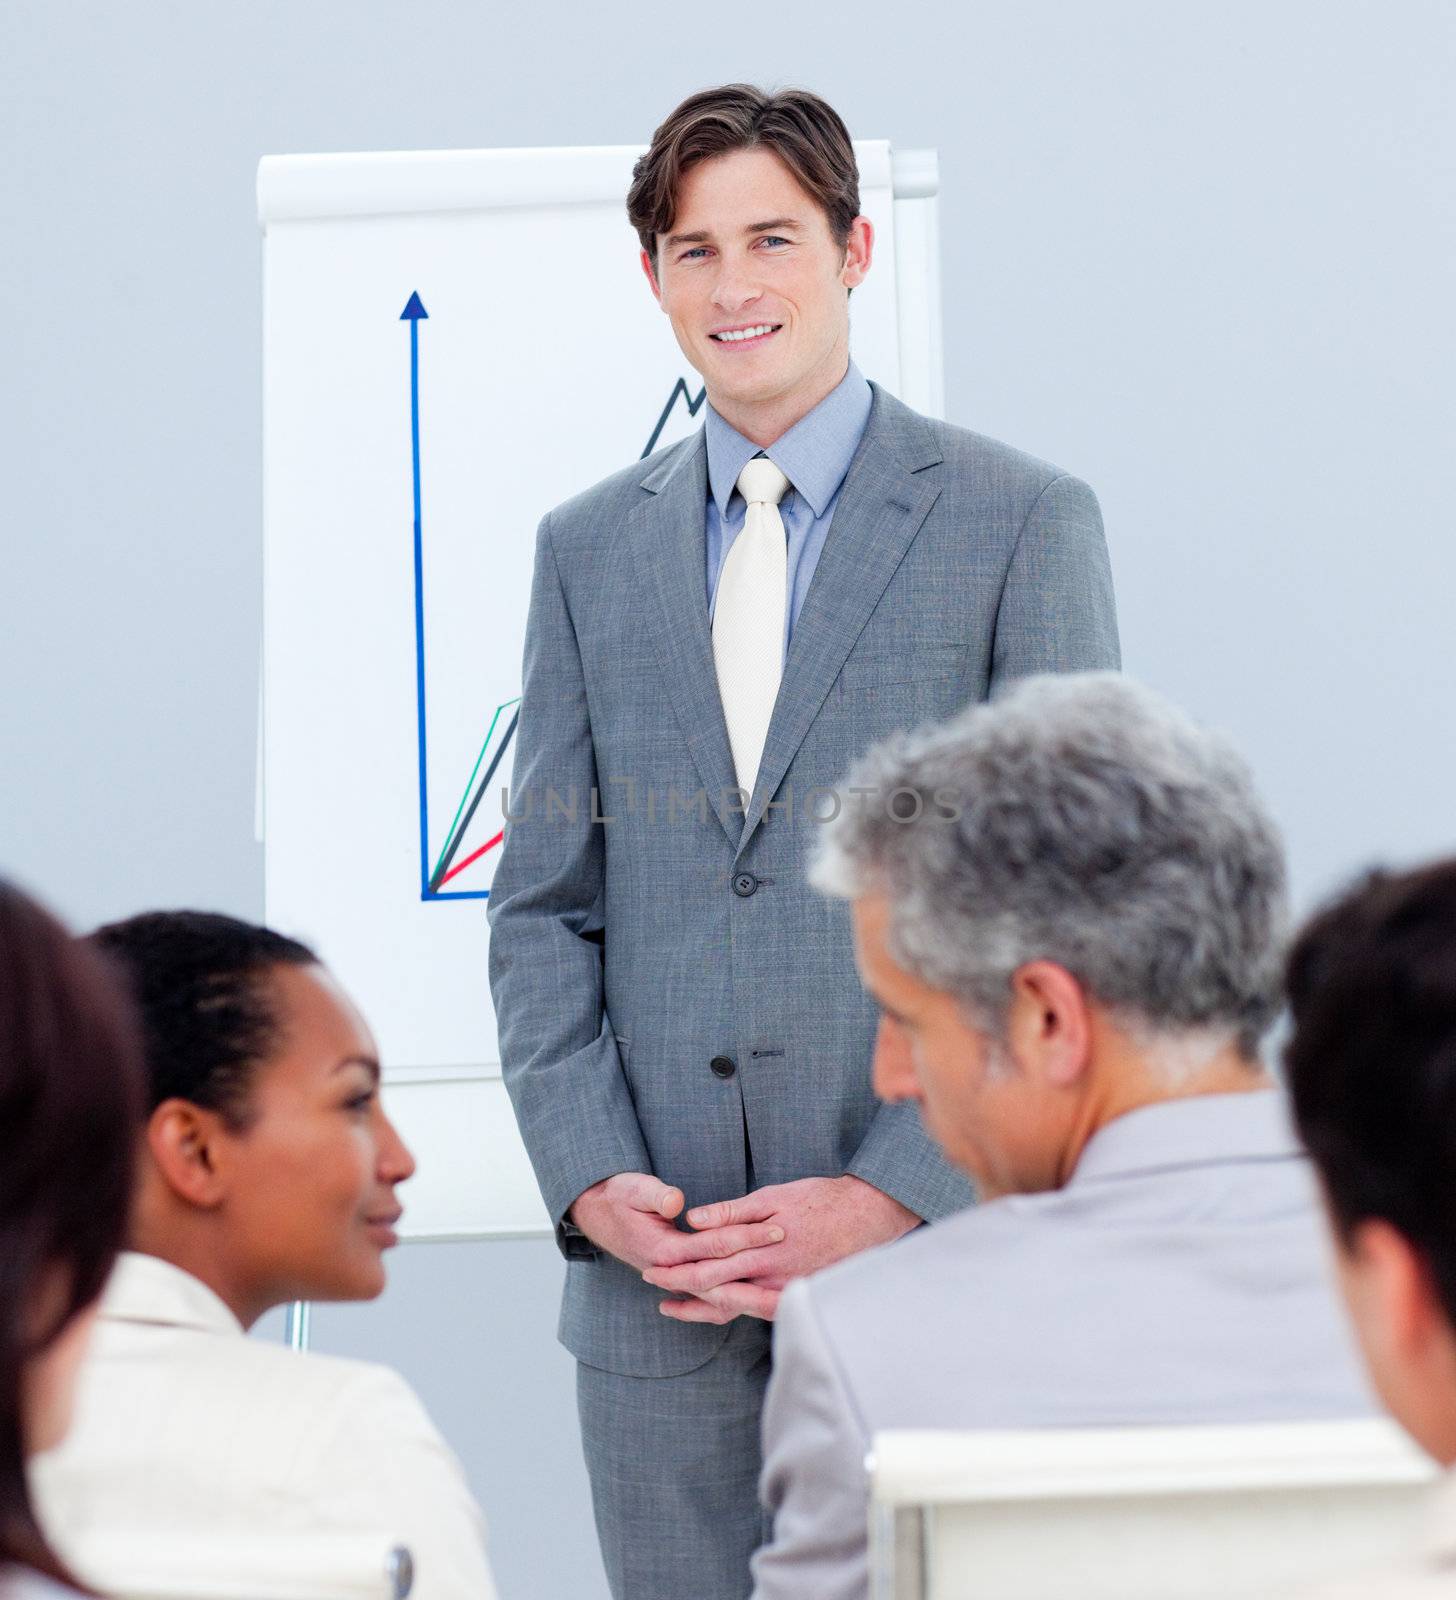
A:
[(270, 1166), (1372, 1072), (70, 1090), (746, 205)]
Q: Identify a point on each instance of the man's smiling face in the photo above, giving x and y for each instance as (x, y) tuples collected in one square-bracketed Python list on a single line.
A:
[(756, 287)]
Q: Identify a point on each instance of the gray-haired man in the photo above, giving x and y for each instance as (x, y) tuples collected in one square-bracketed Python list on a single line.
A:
[(1069, 906)]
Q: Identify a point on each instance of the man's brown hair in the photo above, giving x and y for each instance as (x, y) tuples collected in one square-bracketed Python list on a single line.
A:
[(805, 132)]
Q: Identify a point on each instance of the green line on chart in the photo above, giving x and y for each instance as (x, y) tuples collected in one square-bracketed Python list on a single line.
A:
[(470, 784)]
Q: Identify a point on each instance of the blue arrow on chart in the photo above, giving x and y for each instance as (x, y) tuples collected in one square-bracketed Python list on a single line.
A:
[(414, 313)]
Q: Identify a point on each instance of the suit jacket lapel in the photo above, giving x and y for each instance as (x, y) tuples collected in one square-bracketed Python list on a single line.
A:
[(879, 512), (668, 534)]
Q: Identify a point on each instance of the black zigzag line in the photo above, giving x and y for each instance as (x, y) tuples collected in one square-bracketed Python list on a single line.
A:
[(694, 406)]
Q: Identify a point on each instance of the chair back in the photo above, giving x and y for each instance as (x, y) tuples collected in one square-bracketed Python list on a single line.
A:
[(1167, 1513), (265, 1566)]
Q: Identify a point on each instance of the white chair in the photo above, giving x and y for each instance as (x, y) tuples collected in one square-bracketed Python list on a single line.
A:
[(265, 1566), (1184, 1513)]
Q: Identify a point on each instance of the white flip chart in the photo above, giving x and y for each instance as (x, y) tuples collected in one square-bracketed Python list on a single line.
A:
[(454, 342)]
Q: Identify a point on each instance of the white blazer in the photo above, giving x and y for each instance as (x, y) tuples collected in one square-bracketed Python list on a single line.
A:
[(185, 1426)]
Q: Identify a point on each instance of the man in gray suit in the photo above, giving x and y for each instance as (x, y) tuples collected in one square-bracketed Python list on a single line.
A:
[(1069, 906), (713, 634)]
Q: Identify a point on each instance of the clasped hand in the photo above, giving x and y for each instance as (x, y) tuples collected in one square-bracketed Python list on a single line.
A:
[(741, 1252)]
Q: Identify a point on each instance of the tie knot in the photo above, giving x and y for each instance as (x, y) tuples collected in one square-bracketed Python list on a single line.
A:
[(762, 481)]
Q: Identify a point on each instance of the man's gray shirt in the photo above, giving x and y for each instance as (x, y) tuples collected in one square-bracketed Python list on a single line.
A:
[(1181, 1276)]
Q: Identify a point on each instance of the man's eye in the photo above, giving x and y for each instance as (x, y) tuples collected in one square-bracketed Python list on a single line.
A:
[(697, 250), (361, 1102), (774, 238)]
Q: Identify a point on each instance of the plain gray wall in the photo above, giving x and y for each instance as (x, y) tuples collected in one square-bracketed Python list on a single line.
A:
[(1200, 255)]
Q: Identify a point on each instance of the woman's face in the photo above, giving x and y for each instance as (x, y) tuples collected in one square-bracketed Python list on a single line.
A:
[(310, 1205)]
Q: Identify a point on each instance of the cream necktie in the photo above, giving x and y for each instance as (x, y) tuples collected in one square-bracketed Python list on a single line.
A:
[(748, 618)]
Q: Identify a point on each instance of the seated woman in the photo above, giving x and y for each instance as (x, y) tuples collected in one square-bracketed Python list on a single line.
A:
[(268, 1175), (70, 1085)]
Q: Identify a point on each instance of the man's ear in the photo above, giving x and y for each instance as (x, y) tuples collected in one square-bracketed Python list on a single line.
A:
[(1392, 1281), (651, 277), (1048, 1026), (859, 249), (185, 1144)]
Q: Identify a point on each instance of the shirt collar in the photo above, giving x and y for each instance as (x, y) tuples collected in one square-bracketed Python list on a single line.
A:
[(1191, 1131), (145, 1288), (814, 454)]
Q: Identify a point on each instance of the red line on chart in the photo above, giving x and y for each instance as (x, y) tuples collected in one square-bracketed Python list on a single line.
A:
[(460, 866)]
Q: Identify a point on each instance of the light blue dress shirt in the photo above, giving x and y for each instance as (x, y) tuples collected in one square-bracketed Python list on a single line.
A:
[(814, 455)]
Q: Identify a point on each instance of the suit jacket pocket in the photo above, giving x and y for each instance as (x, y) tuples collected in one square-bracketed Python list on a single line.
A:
[(928, 664)]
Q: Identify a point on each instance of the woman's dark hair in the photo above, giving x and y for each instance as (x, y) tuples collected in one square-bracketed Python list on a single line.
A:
[(806, 133), (1372, 1059), (70, 1097), (200, 981)]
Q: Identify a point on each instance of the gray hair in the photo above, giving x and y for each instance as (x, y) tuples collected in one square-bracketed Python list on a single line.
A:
[(1080, 819)]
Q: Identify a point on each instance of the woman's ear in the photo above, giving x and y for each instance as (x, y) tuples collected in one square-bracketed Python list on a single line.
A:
[(185, 1143), (1049, 1028)]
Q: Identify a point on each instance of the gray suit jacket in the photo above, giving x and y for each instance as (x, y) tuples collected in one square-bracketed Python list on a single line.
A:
[(669, 991), (1181, 1275)]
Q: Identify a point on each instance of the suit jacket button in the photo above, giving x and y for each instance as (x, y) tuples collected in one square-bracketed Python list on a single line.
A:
[(745, 884), (723, 1066)]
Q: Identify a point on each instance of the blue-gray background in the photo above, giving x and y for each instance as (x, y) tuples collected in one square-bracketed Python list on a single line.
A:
[(1200, 255)]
